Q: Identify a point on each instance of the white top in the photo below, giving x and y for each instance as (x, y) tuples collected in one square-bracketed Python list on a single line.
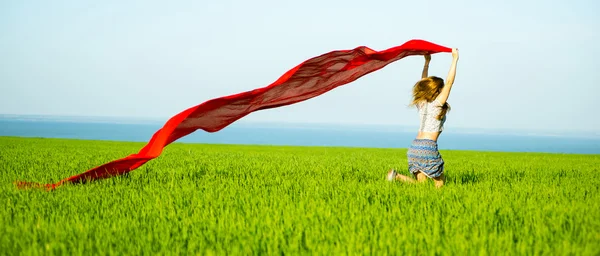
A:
[(428, 112)]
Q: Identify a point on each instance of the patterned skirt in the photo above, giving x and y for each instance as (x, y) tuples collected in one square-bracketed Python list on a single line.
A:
[(423, 156)]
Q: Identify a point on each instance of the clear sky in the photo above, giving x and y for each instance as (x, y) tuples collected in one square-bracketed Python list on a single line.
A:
[(523, 64)]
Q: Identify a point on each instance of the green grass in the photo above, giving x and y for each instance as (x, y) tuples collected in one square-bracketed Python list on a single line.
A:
[(226, 199)]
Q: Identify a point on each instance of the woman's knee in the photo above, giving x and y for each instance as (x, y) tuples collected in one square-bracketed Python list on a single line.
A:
[(439, 181), (421, 177)]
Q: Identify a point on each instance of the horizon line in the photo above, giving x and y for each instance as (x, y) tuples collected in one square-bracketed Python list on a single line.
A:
[(404, 128)]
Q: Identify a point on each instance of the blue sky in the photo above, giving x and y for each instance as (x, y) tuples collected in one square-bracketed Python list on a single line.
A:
[(524, 64)]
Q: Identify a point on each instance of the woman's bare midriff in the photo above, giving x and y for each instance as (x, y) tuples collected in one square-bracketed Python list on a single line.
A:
[(428, 135)]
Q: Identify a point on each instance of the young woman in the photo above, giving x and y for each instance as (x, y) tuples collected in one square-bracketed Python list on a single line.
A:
[(429, 96)]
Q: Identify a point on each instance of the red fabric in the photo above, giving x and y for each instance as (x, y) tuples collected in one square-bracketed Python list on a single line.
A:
[(311, 78)]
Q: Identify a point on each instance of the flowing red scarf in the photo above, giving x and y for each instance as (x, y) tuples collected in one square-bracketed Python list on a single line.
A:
[(311, 78)]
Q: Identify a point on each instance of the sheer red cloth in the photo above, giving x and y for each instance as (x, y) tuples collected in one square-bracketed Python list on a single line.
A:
[(309, 79)]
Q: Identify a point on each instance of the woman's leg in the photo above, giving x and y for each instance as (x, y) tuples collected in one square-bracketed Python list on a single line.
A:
[(404, 178), (439, 181), (419, 177)]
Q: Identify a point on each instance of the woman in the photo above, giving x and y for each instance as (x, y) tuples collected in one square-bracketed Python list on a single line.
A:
[(429, 96)]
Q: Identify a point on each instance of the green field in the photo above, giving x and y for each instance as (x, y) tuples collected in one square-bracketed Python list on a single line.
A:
[(227, 199)]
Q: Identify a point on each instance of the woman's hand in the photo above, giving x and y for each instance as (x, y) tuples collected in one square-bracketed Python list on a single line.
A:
[(427, 57), (455, 53)]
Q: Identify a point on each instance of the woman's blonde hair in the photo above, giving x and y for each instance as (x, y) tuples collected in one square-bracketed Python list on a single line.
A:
[(427, 89)]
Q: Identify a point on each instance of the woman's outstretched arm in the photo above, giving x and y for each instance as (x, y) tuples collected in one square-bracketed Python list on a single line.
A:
[(445, 93)]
